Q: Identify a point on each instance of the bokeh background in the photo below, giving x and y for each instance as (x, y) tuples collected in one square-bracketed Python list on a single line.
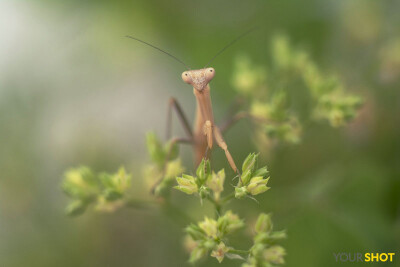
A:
[(74, 91)]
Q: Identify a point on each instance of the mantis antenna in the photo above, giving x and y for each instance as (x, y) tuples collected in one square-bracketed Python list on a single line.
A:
[(230, 44), (159, 49)]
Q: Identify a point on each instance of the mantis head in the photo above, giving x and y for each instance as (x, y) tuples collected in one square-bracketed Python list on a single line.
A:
[(199, 79)]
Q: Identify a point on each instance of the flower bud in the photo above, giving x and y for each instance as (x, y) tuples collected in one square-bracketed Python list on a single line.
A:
[(197, 254), (249, 162), (240, 192), (174, 168), (186, 184), (275, 255), (204, 192), (219, 252), (195, 232), (209, 226), (257, 185), (216, 183), (203, 170), (264, 223)]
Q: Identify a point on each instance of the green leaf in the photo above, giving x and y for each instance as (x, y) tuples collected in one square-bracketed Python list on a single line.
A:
[(155, 149), (195, 232), (197, 253), (261, 172), (76, 208), (249, 162), (112, 194)]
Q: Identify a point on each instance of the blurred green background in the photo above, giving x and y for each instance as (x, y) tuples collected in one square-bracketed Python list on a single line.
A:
[(74, 91)]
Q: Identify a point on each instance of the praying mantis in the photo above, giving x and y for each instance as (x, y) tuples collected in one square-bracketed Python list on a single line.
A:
[(205, 130)]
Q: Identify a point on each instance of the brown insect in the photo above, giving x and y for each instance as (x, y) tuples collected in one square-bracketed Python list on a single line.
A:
[(205, 130)]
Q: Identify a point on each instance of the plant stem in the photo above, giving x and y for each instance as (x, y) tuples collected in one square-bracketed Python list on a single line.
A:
[(217, 206), (227, 198), (238, 251)]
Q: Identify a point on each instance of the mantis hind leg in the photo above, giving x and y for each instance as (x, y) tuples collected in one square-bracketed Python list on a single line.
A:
[(173, 104)]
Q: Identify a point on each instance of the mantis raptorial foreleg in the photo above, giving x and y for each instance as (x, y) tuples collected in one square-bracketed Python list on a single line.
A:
[(221, 143), (208, 132)]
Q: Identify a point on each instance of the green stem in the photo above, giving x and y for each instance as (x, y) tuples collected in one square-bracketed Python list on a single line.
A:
[(238, 251), (227, 198), (217, 205)]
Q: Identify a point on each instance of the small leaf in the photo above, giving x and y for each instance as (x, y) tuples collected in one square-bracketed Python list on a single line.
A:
[(76, 208), (233, 256), (261, 172), (155, 149), (264, 223), (111, 194)]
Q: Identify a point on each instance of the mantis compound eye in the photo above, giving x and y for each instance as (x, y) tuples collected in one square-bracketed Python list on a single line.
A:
[(186, 77), (210, 72)]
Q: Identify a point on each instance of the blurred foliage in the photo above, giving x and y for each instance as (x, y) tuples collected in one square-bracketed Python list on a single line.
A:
[(160, 174), (105, 190), (211, 234), (74, 92), (270, 104)]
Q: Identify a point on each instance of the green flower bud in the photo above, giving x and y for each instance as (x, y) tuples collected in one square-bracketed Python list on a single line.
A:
[(249, 162), (257, 249), (275, 255), (277, 235), (216, 183), (209, 244), (245, 178), (264, 223), (186, 184), (257, 185), (234, 222), (240, 192), (174, 168), (80, 183), (115, 184), (197, 253), (261, 172), (219, 252), (195, 232), (203, 170), (209, 226), (228, 223), (204, 192), (261, 238)]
